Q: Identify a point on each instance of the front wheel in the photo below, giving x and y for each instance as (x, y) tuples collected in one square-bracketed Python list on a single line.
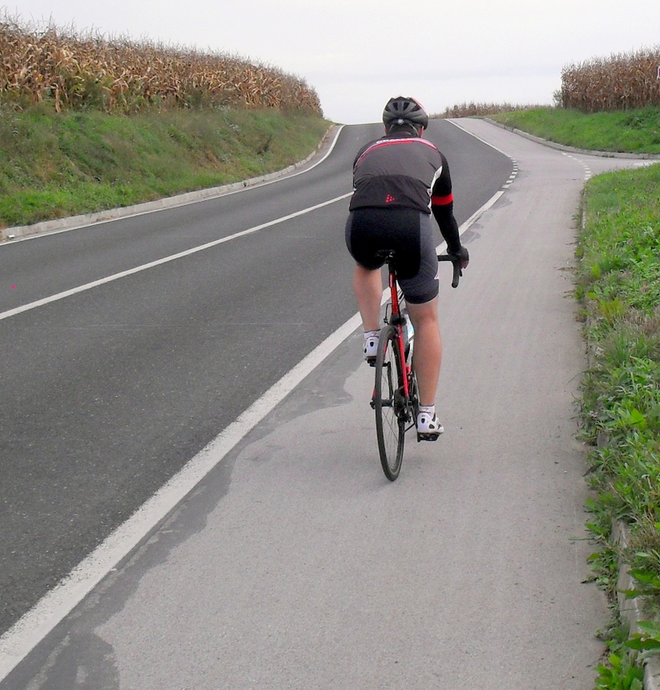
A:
[(389, 403)]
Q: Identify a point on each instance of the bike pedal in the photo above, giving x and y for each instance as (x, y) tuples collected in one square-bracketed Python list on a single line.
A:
[(427, 437)]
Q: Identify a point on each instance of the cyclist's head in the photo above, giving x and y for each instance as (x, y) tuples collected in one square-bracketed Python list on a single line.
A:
[(406, 114)]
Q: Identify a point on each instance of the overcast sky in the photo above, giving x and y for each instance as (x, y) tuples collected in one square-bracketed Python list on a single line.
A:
[(358, 53)]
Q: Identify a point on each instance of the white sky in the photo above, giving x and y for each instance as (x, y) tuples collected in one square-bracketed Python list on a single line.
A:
[(358, 53)]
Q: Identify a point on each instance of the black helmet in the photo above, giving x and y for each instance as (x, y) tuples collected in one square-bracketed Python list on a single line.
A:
[(402, 111)]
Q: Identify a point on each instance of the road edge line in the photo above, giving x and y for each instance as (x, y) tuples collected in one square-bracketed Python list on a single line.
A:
[(34, 626), (53, 607)]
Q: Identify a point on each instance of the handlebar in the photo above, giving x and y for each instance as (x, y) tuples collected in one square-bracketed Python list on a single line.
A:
[(388, 256), (458, 272)]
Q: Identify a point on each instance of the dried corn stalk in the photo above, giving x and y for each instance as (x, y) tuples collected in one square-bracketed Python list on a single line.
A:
[(91, 72), (483, 109), (620, 82)]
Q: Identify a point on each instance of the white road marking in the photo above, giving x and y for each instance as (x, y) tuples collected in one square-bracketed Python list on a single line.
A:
[(19, 640), (587, 170), (506, 185), (39, 621), (164, 260)]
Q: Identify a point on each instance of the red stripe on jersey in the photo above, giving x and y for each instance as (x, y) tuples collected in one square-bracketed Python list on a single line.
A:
[(442, 200)]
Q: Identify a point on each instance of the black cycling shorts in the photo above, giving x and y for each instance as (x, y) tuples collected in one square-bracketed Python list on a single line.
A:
[(409, 233)]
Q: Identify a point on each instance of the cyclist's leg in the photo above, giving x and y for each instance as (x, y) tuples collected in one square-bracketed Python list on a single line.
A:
[(368, 289), (362, 234), (428, 348), (421, 292)]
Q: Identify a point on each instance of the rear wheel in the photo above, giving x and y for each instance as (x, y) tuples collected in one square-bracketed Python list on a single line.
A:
[(390, 403)]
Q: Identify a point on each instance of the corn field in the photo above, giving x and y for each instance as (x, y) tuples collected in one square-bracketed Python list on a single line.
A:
[(620, 82), (482, 109), (89, 71)]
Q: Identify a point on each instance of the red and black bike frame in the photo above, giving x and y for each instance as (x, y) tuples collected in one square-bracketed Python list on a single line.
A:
[(397, 320)]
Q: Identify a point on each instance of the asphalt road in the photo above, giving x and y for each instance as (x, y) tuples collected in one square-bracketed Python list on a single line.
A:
[(108, 392), (295, 563)]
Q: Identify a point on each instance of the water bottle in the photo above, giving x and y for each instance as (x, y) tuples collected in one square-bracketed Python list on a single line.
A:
[(408, 333)]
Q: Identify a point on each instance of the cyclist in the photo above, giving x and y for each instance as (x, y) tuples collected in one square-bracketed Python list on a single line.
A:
[(399, 181)]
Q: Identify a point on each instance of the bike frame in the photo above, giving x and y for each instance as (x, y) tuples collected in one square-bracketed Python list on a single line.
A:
[(397, 320), (396, 401)]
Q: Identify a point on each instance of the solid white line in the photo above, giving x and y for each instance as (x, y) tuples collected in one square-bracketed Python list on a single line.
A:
[(159, 262), (19, 640), (476, 136), (33, 626), (475, 216), (512, 176)]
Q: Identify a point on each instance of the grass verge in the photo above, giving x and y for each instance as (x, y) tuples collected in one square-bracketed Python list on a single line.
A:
[(629, 131), (54, 165), (618, 285)]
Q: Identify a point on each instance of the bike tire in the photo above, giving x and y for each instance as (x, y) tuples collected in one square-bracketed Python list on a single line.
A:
[(390, 405)]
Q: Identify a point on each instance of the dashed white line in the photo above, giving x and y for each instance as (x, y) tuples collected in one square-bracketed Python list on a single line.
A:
[(513, 174), (587, 170)]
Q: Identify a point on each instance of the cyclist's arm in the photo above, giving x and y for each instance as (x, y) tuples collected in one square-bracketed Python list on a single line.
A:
[(442, 206)]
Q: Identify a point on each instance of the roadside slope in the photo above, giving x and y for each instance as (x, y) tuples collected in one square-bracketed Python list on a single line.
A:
[(63, 164)]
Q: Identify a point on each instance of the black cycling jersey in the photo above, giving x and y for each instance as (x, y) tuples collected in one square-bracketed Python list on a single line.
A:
[(405, 171)]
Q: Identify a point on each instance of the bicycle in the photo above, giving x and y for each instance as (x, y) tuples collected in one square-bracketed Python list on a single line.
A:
[(396, 399)]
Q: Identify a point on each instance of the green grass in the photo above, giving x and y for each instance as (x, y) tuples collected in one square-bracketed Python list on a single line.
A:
[(632, 131), (618, 288), (618, 285), (54, 165)]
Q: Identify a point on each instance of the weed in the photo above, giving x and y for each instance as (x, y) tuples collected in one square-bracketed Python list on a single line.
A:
[(622, 673), (621, 668)]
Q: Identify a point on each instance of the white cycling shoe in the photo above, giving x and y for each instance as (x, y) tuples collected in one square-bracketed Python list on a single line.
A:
[(428, 427), (371, 347)]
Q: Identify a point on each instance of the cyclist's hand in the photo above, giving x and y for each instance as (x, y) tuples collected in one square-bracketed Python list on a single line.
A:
[(463, 256)]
